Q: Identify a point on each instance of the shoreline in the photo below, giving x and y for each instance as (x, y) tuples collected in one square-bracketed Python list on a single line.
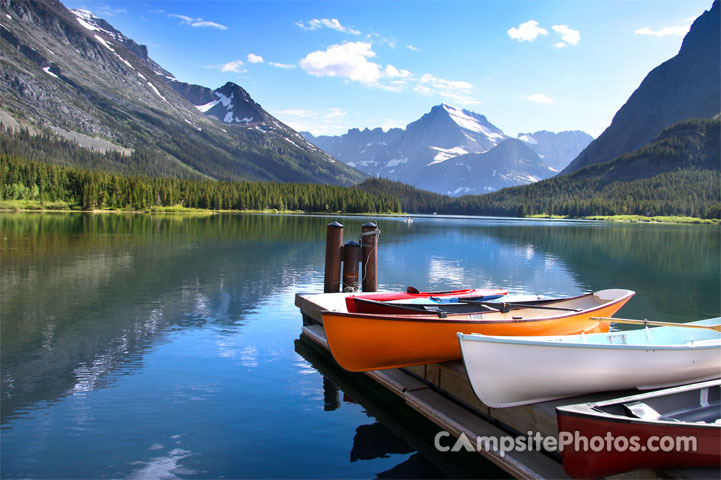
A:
[(175, 210)]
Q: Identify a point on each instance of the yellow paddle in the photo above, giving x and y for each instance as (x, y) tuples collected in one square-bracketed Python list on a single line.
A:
[(651, 322)]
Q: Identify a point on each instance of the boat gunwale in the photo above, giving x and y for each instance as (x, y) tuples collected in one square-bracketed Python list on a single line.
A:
[(535, 341), (450, 318), (588, 410)]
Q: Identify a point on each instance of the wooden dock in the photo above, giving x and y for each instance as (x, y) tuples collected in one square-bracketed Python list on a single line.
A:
[(442, 393)]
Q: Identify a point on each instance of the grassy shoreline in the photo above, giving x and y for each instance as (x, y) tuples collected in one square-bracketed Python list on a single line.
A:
[(636, 219), (64, 207)]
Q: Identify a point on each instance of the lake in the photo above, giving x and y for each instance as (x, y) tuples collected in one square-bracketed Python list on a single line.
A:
[(169, 346)]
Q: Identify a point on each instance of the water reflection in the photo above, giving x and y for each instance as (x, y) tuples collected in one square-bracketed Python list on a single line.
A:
[(105, 288), (396, 429), (375, 441)]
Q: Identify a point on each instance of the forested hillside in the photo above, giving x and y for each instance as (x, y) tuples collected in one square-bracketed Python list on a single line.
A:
[(22, 179)]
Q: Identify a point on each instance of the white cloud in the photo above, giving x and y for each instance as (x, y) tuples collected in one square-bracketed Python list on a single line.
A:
[(349, 60), (253, 58), (233, 66), (540, 98), (392, 72), (560, 44), (457, 90), (568, 35), (413, 48), (664, 32), (197, 22), (526, 32), (332, 121), (354, 61), (377, 39), (286, 66), (332, 23)]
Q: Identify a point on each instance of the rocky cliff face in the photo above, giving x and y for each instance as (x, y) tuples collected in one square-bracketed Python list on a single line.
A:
[(686, 86), (75, 74)]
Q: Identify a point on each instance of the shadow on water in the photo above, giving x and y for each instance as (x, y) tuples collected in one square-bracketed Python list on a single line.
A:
[(396, 429)]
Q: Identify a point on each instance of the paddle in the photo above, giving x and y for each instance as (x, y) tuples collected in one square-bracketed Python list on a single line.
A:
[(504, 306), (651, 322)]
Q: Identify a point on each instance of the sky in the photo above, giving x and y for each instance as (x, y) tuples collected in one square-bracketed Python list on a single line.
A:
[(326, 67)]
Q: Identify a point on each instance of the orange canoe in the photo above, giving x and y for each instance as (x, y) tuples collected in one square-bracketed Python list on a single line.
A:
[(361, 342)]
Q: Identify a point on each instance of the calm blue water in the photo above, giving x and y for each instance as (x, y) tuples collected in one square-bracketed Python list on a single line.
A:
[(160, 347)]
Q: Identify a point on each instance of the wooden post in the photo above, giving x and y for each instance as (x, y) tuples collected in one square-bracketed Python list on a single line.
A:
[(351, 257), (333, 244), (369, 256)]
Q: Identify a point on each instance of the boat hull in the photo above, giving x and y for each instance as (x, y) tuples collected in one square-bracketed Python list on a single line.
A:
[(361, 342), (692, 444), (580, 368)]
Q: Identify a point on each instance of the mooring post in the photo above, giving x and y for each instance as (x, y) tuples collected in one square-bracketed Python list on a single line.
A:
[(351, 257), (369, 256), (333, 245)]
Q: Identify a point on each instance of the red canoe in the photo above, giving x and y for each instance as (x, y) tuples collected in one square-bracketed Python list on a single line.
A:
[(414, 294), (673, 427)]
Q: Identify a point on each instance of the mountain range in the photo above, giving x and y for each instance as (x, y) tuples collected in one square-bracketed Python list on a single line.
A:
[(72, 74), (75, 75), (454, 151)]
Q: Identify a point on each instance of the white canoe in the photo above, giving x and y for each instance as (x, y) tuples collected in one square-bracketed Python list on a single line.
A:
[(509, 371)]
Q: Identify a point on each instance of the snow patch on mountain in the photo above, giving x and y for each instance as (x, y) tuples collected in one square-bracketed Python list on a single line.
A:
[(207, 106), (102, 41), (446, 154), (47, 70), (156, 91), (466, 121), (89, 21), (528, 139), (86, 25), (225, 100)]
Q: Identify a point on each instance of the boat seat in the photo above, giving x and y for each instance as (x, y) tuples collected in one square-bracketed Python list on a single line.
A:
[(645, 412), (641, 410)]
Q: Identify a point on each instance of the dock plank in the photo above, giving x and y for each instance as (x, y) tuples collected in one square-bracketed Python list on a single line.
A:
[(457, 420)]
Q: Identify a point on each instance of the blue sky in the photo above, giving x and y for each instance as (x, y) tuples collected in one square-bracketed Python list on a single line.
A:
[(330, 66)]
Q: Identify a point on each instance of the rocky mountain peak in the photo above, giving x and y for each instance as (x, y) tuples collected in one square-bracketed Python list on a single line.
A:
[(230, 104), (93, 23), (75, 75), (449, 150)]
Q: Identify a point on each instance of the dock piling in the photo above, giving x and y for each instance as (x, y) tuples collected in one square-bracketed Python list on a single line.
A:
[(369, 256), (333, 246), (351, 257)]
